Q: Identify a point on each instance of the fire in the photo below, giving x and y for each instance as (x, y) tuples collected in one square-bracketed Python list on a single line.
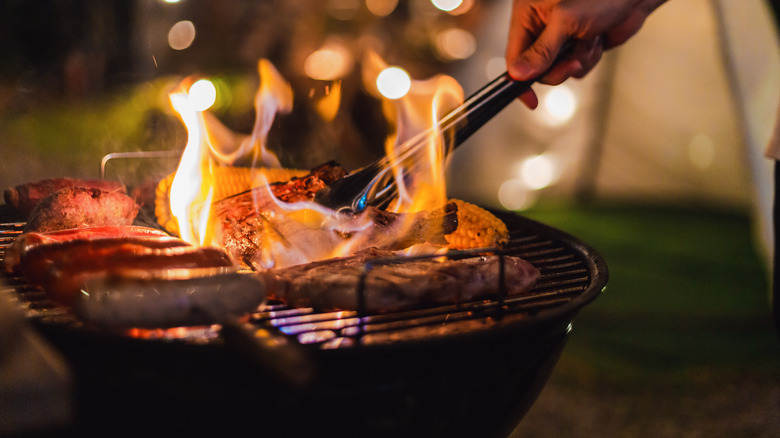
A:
[(211, 144), (415, 146), (305, 231)]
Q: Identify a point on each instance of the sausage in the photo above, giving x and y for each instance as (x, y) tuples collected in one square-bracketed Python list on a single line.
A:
[(80, 207), (36, 261), (26, 241), (66, 276), (24, 197), (119, 303)]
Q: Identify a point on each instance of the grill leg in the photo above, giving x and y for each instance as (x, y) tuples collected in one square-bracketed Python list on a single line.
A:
[(775, 299)]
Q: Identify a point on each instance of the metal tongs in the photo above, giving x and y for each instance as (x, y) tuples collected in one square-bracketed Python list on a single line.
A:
[(374, 185)]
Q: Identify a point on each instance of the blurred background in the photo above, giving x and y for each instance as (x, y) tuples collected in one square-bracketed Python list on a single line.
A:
[(655, 159)]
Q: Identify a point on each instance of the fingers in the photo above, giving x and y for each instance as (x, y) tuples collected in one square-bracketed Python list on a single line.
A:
[(539, 56), (529, 99), (584, 55)]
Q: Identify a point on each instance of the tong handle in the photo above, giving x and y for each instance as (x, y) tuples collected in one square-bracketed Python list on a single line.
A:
[(359, 189), (488, 101), (482, 106)]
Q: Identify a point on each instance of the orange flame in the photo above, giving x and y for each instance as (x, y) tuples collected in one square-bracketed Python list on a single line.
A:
[(308, 231), (416, 147), (210, 143)]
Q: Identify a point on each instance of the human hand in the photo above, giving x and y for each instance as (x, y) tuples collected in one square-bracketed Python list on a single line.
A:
[(539, 29)]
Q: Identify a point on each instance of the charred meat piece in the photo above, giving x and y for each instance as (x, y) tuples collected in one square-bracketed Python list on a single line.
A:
[(81, 207), (25, 197), (67, 275), (394, 284), (27, 241), (304, 188)]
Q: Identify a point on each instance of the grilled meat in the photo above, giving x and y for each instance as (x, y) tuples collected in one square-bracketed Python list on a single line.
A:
[(68, 274), (36, 261), (153, 303), (27, 241), (393, 284), (25, 197), (81, 207)]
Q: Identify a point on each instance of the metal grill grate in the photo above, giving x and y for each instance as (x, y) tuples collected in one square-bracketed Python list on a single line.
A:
[(572, 274)]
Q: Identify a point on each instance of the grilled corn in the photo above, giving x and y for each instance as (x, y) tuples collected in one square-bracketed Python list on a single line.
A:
[(477, 228)]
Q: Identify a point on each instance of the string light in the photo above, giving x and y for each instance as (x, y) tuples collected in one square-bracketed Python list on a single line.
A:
[(381, 8), (181, 35), (393, 82), (202, 94), (447, 5), (559, 105), (538, 171), (455, 44), (328, 63)]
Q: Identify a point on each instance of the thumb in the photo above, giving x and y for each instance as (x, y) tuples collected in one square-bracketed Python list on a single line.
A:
[(538, 57)]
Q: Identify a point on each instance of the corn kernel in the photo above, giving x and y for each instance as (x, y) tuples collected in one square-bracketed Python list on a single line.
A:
[(477, 228)]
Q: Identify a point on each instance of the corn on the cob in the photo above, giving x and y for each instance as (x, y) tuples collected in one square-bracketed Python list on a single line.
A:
[(228, 181), (477, 228)]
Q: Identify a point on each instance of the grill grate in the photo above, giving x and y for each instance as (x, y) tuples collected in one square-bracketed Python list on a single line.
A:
[(572, 274)]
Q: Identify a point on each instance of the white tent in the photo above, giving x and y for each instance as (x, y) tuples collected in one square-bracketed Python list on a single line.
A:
[(680, 113)]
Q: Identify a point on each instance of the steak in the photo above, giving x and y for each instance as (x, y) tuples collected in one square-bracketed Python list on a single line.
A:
[(393, 283)]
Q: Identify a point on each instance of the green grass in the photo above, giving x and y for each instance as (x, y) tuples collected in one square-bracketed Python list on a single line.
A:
[(687, 297)]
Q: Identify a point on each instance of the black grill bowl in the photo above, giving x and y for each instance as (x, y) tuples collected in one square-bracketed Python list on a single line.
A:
[(475, 377)]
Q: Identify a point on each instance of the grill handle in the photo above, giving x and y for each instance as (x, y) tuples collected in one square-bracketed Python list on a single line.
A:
[(272, 351)]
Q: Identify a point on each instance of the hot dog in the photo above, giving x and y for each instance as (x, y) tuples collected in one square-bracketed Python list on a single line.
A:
[(36, 261), (26, 241), (67, 275), (120, 303)]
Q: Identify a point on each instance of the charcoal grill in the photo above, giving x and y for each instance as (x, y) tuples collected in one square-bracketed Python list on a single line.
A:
[(471, 369)]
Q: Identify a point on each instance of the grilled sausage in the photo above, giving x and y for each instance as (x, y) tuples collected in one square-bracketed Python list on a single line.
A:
[(67, 275), (36, 261), (27, 241), (119, 303), (24, 197), (80, 207)]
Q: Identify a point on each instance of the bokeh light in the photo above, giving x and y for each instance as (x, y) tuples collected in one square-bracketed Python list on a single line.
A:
[(558, 104), (328, 63), (447, 5), (381, 8), (393, 82), (181, 35), (514, 195), (455, 43), (202, 95), (538, 171)]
